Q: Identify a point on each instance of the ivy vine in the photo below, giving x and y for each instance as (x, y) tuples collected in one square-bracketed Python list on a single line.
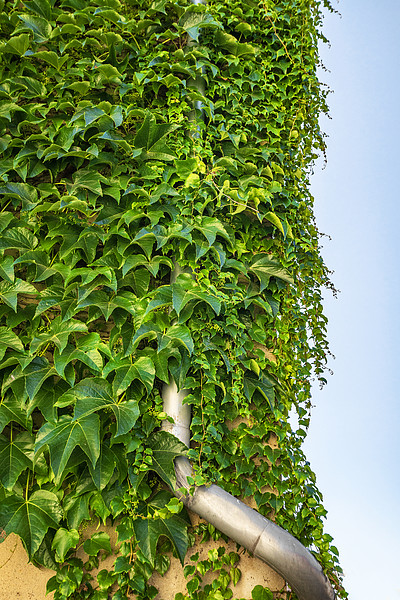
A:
[(106, 182)]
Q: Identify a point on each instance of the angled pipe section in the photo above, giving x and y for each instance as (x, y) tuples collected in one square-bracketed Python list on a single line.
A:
[(263, 538), (244, 525)]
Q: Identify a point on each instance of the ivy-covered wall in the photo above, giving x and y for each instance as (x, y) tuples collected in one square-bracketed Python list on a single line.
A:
[(108, 179)]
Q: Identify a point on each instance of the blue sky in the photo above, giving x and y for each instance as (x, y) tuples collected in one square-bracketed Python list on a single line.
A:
[(353, 444)]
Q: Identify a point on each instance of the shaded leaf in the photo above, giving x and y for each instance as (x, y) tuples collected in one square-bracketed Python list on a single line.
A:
[(263, 385), (210, 227), (108, 304), (148, 531), (34, 375), (181, 297), (16, 455), (104, 469), (179, 334), (151, 136), (275, 220), (166, 447), (90, 357)]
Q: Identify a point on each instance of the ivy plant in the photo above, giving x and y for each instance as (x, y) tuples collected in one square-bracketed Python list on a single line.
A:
[(110, 176)]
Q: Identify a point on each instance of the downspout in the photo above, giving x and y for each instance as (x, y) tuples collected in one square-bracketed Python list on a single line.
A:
[(263, 538)]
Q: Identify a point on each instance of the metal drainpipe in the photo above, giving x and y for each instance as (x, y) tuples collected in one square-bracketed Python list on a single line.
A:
[(244, 525)]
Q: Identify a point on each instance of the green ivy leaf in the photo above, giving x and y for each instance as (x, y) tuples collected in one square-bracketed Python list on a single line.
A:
[(7, 268), (251, 446), (104, 469), (16, 455), (12, 411), (263, 385), (9, 291), (87, 180), (166, 447), (6, 108), (17, 44), (230, 43), (45, 399), (42, 8), (30, 518), (152, 265), (99, 541), (77, 508), (265, 267), (17, 238), (57, 334), (8, 339), (151, 136), (63, 541), (34, 375), (148, 531), (177, 334), (275, 220), (193, 22), (181, 297), (108, 304), (210, 227), (40, 28), (88, 356), (62, 437), (125, 372), (147, 330), (89, 114), (93, 394), (261, 593)]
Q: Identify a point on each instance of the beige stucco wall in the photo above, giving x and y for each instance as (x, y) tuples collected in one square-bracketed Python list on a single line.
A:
[(20, 580)]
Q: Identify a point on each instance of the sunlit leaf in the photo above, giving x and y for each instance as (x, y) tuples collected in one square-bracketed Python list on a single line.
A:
[(265, 267), (30, 518), (63, 541), (99, 541), (62, 437), (93, 394)]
